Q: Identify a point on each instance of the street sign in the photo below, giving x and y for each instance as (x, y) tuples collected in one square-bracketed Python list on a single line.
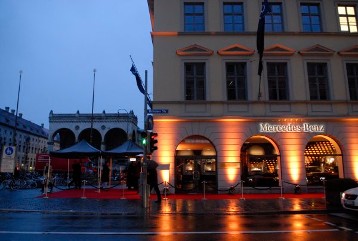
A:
[(158, 111), (8, 159), (150, 122)]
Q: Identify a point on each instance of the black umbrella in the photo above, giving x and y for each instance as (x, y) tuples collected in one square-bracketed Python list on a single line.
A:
[(81, 149), (128, 148)]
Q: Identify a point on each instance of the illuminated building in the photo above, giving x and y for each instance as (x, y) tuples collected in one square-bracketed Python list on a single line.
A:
[(297, 124)]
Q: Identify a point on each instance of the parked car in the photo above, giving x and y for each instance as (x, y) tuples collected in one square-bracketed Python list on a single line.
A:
[(349, 199)]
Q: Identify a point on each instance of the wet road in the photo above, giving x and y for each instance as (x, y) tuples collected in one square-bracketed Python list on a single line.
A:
[(40, 226)]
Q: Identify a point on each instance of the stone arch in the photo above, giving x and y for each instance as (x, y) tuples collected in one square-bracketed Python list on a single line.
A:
[(96, 137), (114, 138), (65, 136)]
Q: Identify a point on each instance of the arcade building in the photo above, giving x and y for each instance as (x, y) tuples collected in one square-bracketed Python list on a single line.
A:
[(104, 131)]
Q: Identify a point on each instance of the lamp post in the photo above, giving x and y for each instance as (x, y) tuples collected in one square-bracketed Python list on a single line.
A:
[(14, 142), (17, 110), (94, 82)]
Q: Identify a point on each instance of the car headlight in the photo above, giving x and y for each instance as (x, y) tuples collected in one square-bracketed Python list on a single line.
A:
[(343, 195)]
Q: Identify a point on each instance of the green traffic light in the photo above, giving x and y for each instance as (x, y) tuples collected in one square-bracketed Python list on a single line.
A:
[(144, 138)]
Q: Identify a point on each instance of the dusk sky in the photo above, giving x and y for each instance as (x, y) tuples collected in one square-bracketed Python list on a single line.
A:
[(58, 43)]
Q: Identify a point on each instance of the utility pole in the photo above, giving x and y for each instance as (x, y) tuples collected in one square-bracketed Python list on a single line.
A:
[(145, 189)]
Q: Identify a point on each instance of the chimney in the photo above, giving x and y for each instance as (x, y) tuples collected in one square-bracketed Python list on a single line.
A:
[(20, 115), (13, 111), (7, 109)]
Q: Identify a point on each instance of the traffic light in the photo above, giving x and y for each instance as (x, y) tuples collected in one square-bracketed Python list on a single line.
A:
[(143, 138), (152, 142)]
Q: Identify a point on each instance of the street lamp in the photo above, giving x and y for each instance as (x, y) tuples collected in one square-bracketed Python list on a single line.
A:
[(94, 82), (17, 110)]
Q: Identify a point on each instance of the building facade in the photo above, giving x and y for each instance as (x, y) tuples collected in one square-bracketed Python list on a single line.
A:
[(227, 126), (104, 131), (29, 138)]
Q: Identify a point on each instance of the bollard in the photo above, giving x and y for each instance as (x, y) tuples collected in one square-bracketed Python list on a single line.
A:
[(165, 190), (146, 195), (281, 190), (46, 188), (84, 189), (242, 190), (123, 186), (204, 198)]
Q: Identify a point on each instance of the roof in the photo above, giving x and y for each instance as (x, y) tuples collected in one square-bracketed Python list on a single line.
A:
[(7, 118)]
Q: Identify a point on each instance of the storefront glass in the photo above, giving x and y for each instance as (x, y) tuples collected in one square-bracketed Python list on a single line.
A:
[(322, 160), (195, 166), (259, 163)]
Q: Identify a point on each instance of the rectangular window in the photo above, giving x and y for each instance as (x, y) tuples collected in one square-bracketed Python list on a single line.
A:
[(347, 19), (277, 81), (233, 17), (194, 81), (194, 20), (273, 21), (311, 17), (318, 81), (236, 81), (352, 76)]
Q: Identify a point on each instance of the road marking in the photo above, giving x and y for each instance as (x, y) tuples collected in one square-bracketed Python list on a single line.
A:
[(344, 228), (317, 219), (331, 224), (169, 233)]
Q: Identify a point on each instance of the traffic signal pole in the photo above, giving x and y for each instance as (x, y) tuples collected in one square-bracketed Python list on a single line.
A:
[(144, 172)]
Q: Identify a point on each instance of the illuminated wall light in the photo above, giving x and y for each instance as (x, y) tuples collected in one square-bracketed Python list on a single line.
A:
[(294, 168), (232, 174), (293, 164), (230, 156), (164, 174), (166, 147)]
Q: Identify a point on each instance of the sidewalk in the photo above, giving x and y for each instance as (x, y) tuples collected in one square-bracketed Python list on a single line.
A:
[(33, 201)]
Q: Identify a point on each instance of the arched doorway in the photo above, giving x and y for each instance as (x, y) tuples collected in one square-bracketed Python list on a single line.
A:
[(65, 136), (195, 165), (114, 138), (96, 137), (323, 160), (260, 162)]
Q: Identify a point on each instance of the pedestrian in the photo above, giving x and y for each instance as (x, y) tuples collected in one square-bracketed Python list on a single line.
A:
[(76, 175), (47, 179), (153, 178), (105, 175)]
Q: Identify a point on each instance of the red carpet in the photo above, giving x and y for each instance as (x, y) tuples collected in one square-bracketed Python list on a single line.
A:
[(131, 194)]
